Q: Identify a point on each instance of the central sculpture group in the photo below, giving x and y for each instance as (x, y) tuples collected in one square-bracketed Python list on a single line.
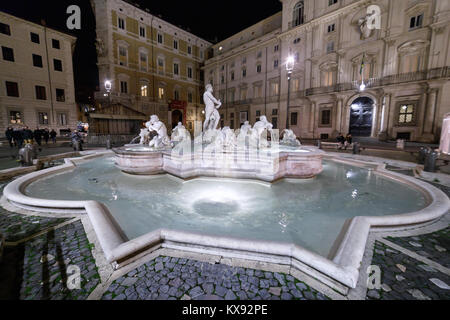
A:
[(155, 132)]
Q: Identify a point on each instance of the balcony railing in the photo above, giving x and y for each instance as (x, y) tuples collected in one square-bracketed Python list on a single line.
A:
[(431, 74)]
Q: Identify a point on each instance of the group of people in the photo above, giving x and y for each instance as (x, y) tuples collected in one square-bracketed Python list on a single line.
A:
[(18, 136), (344, 142)]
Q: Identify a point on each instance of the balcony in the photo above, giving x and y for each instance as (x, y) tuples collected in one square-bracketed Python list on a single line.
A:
[(437, 73), (296, 22)]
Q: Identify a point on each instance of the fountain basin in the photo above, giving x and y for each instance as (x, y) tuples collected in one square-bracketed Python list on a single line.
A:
[(266, 165)]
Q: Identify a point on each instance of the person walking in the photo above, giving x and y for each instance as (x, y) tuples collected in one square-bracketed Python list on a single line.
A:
[(38, 136), (9, 136), (341, 140), (27, 135), (46, 135), (348, 141), (76, 139), (18, 137), (53, 135)]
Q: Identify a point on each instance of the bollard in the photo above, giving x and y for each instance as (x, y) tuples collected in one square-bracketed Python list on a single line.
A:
[(423, 154), (430, 161), (26, 155), (319, 144), (108, 144)]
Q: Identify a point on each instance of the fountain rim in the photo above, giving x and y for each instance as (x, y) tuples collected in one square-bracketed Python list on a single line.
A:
[(340, 271)]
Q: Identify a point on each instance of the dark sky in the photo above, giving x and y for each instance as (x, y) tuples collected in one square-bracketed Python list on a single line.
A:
[(212, 20)]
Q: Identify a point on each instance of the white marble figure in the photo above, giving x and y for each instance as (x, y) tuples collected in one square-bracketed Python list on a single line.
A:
[(161, 140), (226, 140), (256, 138), (290, 139), (212, 116), (243, 133), (180, 134), (145, 135)]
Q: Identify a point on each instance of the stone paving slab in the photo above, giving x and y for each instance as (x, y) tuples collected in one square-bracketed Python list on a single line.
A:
[(434, 246), (166, 278), (404, 278)]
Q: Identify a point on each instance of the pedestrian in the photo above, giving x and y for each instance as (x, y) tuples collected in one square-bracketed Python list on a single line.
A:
[(27, 135), (9, 136), (341, 140), (18, 137), (348, 141), (37, 134), (46, 135), (76, 139), (53, 135)]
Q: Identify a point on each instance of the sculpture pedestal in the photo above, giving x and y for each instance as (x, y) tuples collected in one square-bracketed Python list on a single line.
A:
[(266, 165)]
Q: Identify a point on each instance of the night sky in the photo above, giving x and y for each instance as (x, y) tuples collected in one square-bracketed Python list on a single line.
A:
[(212, 20)]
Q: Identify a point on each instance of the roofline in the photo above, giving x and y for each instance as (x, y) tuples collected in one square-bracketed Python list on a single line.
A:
[(72, 38)]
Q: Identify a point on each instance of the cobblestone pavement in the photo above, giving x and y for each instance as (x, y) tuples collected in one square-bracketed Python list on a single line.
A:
[(404, 278), (166, 278)]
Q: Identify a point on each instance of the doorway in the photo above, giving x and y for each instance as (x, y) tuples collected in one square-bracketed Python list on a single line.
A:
[(361, 117), (177, 116)]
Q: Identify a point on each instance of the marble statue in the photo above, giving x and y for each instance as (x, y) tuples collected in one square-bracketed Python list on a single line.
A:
[(243, 133), (180, 134), (161, 139), (256, 139), (290, 139), (226, 140), (144, 136), (212, 116)]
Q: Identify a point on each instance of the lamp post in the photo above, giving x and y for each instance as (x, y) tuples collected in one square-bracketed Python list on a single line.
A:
[(289, 68), (108, 87)]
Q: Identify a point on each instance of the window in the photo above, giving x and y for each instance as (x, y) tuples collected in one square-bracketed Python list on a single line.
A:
[(175, 44), (176, 94), (298, 15), (331, 2), (201, 54), (60, 95), (43, 117), (274, 88), (34, 37), (189, 50), (62, 119), (190, 97), (55, 44), (8, 54), (297, 40), (330, 47), (294, 117), (275, 64), (244, 73), (232, 65), (222, 79), (123, 87), (12, 89), (189, 72), (406, 114), (5, 29), (160, 38), (257, 91), (143, 60), (243, 93), (326, 117), (411, 63), (258, 114), (327, 78), (232, 75), (144, 91), (276, 48), (40, 93), (258, 68), (37, 60), (416, 22), (232, 96), (176, 70), (259, 55), (121, 23), (160, 65), (274, 112), (15, 117), (142, 32), (57, 64), (244, 60), (296, 84), (161, 93), (331, 27), (123, 51)]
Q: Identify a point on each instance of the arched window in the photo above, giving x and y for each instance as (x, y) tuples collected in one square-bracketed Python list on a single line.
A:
[(299, 11)]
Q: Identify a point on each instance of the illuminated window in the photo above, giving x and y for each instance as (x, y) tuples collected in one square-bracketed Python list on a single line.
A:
[(15, 117), (144, 91), (43, 118), (406, 114), (161, 93)]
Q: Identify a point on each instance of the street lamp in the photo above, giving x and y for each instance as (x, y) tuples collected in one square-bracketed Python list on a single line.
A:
[(289, 68), (108, 87)]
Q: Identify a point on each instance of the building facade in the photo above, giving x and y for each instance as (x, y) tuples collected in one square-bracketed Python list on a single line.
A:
[(36, 76), (337, 45), (153, 66)]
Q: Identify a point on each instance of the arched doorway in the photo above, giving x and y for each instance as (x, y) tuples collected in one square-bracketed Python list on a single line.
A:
[(361, 117), (177, 116)]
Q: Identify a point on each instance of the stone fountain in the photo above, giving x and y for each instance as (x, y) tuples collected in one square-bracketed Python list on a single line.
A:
[(244, 154)]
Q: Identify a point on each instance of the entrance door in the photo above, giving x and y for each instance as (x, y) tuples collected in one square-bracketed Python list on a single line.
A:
[(361, 116), (177, 116)]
